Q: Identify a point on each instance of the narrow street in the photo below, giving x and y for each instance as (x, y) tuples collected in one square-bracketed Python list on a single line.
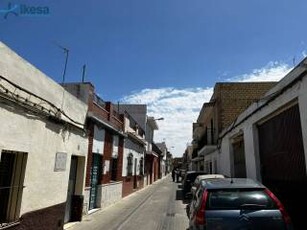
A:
[(158, 206)]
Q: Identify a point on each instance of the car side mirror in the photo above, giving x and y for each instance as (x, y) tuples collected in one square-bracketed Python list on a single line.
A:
[(193, 190)]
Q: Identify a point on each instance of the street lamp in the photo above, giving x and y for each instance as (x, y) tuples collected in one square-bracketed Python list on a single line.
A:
[(159, 119)]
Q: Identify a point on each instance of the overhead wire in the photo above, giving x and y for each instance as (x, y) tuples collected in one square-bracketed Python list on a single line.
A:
[(54, 110)]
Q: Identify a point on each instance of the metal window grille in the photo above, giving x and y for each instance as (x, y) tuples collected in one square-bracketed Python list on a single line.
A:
[(130, 164), (12, 169)]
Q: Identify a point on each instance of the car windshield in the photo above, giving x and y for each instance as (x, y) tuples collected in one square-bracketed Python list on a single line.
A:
[(239, 199)]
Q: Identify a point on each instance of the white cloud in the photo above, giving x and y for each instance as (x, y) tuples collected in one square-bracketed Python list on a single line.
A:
[(274, 71), (181, 107)]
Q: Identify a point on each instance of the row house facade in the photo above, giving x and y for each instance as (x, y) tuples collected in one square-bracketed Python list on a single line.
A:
[(65, 152), (134, 156), (43, 148), (163, 159), (151, 154), (105, 129), (227, 102), (268, 142), (188, 165), (154, 170)]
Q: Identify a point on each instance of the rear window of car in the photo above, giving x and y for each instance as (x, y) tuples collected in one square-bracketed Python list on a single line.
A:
[(239, 199), (193, 176)]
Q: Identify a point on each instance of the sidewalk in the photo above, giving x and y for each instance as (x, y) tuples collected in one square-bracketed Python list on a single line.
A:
[(116, 212)]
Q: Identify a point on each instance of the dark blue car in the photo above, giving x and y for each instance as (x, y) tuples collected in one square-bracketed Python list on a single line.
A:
[(236, 203)]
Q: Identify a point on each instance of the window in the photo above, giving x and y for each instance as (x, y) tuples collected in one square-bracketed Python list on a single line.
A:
[(115, 147), (235, 198), (141, 166), (12, 172), (129, 164)]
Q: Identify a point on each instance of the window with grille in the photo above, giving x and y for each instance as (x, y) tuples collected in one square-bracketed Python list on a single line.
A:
[(12, 172), (129, 164)]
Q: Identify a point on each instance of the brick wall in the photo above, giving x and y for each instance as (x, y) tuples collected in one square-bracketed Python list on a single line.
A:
[(233, 98), (107, 155), (90, 129), (119, 176), (156, 169), (128, 183)]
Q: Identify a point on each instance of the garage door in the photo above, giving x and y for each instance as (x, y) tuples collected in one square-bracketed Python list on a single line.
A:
[(282, 160)]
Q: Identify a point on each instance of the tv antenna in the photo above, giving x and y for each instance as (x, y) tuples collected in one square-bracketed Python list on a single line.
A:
[(66, 52)]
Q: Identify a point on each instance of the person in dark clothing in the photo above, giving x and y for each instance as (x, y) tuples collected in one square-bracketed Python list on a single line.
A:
[(177, 175), (173, 174)]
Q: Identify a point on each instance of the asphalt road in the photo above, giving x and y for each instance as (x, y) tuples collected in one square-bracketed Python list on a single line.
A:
[(156, 207)]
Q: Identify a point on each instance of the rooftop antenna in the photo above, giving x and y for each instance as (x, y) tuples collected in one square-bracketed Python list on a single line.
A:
[(66, 51), (83, 72), (293, 61)]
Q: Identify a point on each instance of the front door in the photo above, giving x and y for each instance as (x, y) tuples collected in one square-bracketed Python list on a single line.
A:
[(71, 187), (95, 178)]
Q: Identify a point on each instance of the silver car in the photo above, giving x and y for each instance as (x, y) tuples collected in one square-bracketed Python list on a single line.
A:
[(236, 203), (200, 178)]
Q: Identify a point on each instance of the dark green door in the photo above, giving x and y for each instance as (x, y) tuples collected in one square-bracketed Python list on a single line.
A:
[(95, 178)]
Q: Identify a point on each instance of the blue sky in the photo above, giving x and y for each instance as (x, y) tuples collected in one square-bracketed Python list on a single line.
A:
[(166, 53)]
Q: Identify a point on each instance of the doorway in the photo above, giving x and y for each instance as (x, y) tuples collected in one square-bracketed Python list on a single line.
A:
[(95, 179), (71, 187)]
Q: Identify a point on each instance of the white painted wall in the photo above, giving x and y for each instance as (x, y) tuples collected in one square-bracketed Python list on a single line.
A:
[(130, 147), (43, 186), (38, 137), (22, 73), (297, 92), (136, 155), (250, 151), (224, 157), (212, 157)]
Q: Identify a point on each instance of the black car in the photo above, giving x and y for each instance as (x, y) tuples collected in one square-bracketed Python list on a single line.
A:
[(187, 181)]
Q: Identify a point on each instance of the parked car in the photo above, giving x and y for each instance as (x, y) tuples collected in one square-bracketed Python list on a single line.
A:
[(187, 181), (200, 179), (236, 203)]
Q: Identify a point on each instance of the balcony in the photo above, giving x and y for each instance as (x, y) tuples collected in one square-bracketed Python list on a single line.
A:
[(207, 149)]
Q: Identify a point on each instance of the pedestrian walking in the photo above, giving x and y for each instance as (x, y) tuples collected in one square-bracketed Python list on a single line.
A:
[(173, 174), (177, 175)]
